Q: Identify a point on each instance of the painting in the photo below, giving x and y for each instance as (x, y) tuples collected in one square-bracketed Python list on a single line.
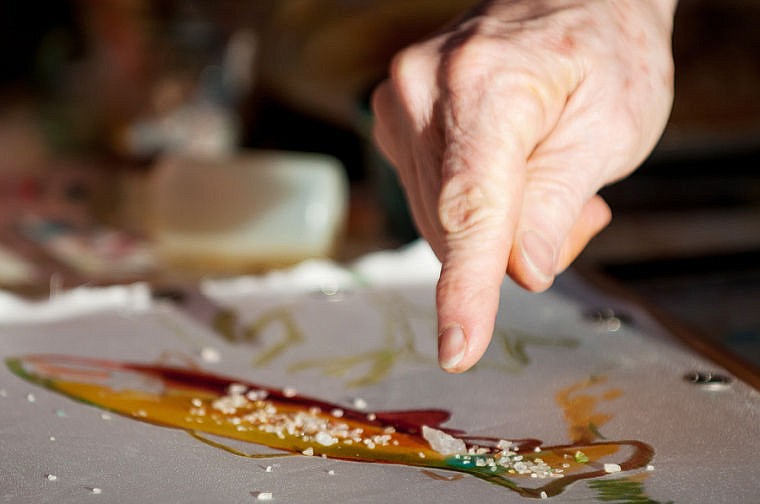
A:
[(308, 397)]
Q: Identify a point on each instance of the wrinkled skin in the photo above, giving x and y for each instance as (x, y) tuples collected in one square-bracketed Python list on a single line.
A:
[(503, 129)]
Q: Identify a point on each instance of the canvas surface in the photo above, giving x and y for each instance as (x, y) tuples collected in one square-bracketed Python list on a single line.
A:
[(552, 374)]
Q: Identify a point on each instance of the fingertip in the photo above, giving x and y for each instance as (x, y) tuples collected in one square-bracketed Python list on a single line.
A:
[(538, 256), (458, 352), (595, 216), (452, 346), (532, 261), (467, 307)]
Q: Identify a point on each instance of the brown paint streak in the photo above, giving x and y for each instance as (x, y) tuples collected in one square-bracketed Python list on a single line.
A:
[(442, 477)]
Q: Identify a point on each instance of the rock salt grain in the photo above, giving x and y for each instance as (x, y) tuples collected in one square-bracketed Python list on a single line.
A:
[(210, 355), (443, 443), (612, 468)]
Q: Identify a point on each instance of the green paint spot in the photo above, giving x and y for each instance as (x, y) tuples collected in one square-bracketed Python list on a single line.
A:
[(622, 491), (581, 457)]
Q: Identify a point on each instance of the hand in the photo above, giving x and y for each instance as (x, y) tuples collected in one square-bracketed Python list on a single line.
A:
[(502, 131)]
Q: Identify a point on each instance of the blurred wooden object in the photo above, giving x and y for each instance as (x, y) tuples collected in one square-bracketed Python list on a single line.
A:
[(324, 56)]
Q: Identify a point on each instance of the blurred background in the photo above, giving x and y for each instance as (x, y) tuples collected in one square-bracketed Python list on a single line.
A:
[(103, 102)]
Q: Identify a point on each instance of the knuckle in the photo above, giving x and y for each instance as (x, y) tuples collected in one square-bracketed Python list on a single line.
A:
[(465, 206), (405, 66)]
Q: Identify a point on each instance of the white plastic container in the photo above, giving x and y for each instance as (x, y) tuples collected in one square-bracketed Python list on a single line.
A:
[(256, 210)]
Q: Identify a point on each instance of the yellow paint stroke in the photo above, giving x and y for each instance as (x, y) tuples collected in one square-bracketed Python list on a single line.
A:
[(580, 408)]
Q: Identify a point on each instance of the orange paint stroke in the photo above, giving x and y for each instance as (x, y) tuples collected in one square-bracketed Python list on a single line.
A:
[(580, 409)]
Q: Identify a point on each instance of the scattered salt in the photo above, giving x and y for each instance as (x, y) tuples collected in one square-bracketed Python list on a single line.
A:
[(30, 397), (612, 468), (650, 467), (96, 490), (337, 413), (308, 451), (371, 417), (331, 472), (264, 496), (51, 477), (256, 395), (289, 392), (544, 496), (52, 438), (359, 403), (268, 469)]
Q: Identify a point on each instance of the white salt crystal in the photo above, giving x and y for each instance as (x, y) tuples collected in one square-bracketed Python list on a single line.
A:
[(289, 392), (359, 403), (264, 496), (325, 439), (237, 389), (96, 490), (210, 355), (30, 397), (308, 451), (443, 443), (51, 477), (612, 468)]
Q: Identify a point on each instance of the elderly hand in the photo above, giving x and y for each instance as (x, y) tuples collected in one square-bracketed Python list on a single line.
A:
[(502, 131)]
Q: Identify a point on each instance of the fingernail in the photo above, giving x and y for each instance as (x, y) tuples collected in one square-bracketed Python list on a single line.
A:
[(539, 255), (451, 347)]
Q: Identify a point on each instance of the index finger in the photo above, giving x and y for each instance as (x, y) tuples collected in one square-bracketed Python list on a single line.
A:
[(493, 118)]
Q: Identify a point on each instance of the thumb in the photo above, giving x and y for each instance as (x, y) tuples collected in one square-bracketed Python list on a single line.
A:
[(560, 214)]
